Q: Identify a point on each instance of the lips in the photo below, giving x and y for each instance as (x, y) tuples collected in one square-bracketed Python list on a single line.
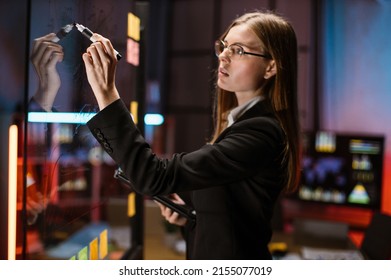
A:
[(223, 72)]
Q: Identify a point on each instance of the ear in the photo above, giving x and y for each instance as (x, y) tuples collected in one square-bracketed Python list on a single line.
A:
[(271, 70)]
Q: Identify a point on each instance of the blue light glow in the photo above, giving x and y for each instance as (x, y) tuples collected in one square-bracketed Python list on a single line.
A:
[(59, 117), (80, 118), (153, 119)]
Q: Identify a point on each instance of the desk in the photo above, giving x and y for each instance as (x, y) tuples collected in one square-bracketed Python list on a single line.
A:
[(311, 247)]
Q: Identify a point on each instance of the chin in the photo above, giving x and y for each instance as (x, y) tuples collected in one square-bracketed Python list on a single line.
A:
[(223, 86)]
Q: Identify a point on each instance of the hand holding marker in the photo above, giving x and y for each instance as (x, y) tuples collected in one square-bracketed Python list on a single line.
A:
[(83, 30), (88, 33)]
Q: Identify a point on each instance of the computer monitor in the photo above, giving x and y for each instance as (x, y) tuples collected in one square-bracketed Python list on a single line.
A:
[(342, 169)]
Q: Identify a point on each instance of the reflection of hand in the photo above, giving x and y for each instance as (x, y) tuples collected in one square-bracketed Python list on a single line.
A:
[(45, 55), (101, 63), (34, 207), (171, 216)]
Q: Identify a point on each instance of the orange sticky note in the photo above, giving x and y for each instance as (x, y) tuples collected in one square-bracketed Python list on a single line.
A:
[(103, 244), (94, 249), (131, 204)]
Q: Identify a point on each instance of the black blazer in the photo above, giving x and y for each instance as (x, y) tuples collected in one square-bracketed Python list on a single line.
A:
[(234, 182)]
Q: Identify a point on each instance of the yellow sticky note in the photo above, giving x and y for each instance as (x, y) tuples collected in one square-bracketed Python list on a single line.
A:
[(133, 27), (134, 111), (94, 249), (131, 204), (103, 244), (83, 254)]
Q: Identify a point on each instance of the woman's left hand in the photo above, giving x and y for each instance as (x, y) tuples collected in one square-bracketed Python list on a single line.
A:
[(101, 63), (171, 216)]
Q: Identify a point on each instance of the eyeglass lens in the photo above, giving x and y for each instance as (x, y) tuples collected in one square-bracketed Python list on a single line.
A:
[(233, 50), (219, 47)]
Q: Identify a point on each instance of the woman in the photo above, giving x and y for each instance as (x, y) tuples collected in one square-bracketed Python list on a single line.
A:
[(253, 155)]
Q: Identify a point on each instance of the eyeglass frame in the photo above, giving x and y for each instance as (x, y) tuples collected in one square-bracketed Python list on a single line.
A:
[(218, 42)]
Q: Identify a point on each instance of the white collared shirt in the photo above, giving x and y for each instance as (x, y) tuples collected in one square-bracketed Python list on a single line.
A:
[(240, 110)]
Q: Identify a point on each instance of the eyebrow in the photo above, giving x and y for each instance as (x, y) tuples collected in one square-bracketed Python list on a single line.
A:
[(241, 44)]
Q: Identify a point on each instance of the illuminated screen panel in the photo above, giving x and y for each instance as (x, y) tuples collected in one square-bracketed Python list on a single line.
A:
[(342, 169), (74, 207)]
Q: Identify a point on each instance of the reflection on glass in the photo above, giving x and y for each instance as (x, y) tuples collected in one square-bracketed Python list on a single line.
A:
[(75, 208)]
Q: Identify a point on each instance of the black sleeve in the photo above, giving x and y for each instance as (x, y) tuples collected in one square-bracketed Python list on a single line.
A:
[(248, 147)]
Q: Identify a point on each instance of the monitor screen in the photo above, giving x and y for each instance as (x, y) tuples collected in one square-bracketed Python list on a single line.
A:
[(342, 169)]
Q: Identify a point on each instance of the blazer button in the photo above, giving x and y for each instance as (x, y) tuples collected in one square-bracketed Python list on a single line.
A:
[(108, 148)]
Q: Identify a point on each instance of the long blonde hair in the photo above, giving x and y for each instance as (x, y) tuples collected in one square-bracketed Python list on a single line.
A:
[(279, 40)]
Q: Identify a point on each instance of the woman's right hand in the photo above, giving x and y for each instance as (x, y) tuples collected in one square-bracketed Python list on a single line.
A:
[(44, 56), (100, 61), (171, 216)]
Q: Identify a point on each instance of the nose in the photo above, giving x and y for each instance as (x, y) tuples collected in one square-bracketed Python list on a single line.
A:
[(224, 55)]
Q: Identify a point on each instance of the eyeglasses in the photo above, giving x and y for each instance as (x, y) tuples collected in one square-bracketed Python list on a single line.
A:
[(235, 51)]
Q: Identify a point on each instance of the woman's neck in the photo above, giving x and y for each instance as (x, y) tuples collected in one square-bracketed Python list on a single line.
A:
[(244, 97)]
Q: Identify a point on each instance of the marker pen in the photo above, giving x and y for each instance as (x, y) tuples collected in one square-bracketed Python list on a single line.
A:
[(88, 33), (62, 32)]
